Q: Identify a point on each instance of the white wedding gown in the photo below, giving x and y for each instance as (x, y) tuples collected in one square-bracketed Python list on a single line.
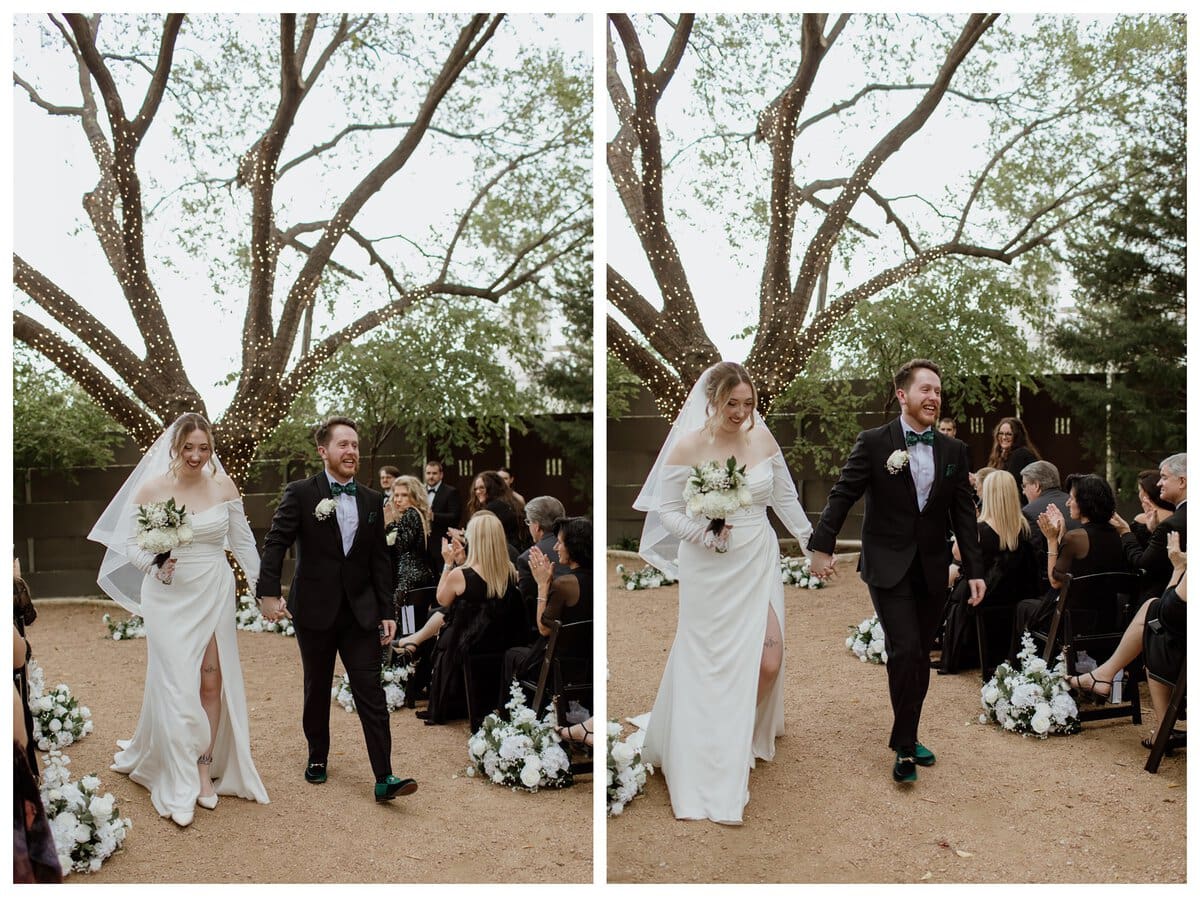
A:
[(173, 729), (705, 732)]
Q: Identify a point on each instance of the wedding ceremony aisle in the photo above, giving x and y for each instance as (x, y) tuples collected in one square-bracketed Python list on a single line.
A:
[(997, 807), (454, 829)]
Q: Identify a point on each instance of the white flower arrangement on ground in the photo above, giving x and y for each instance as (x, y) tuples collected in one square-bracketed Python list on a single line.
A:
[(521, 751), (163, 527), (86, 825), (1033, 700), (798, 572), (250, 618), (866, 641), (716, 491), (58, 718), (627, 772), (394, 678), (119, 630), (646, 578)]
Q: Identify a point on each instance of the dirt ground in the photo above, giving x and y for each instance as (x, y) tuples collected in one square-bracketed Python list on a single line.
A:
[(1074, 809), (454, 829)]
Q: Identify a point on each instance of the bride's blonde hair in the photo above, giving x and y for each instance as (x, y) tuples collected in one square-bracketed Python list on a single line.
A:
[(183, 429), (723, 379)]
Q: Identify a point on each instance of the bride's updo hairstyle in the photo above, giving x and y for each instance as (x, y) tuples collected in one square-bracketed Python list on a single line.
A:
[(723, 379), (184, 427)]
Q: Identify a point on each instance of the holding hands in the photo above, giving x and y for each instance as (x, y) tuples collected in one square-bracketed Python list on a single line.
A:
[(274, 609), (822, 564)]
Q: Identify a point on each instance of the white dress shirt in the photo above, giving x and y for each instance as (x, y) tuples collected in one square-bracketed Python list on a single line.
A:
[(920, 462), (347, 515)]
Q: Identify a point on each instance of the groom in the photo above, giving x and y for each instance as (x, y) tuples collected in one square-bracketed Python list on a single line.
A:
[(340, 599), (915, 481)]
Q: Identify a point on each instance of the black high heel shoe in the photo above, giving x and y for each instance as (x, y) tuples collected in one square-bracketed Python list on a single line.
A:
[(1099, 697)]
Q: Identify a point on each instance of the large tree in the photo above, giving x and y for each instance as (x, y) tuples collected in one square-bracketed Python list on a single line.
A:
[(289, 199), (1048, 107), (1129, 329)]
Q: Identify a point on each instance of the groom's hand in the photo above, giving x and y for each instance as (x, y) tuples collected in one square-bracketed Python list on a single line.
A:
[(387, 630), (977, 589), (822, 565), (274, 608)]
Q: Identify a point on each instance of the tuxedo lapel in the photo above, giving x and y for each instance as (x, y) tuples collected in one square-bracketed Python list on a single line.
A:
[(910, 484), (324, 492), (940, 444)]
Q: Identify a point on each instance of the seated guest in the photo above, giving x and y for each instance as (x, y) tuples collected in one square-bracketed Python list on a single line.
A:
[(577, 733), (976, 480), (1010, 575), (1151, 559), (482, 614), (540, 516), (1155, 508), (490, 492), (1040, 486), (1012, 449), (1159, 633), (1094, 547), (565, 597)]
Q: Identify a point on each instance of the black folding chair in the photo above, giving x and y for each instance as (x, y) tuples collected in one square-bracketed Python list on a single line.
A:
[(1166, 738), (566, 668), (1093, 612)]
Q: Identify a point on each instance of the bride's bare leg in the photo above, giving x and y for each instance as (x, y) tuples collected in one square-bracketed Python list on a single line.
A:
[(210, 700), (772, 655)]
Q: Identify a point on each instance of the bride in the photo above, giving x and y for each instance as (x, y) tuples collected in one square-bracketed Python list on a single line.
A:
[(193, 726), (720, 704)]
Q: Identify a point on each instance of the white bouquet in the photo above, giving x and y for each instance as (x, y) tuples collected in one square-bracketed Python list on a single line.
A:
[(134, 627), (646, 578), (627, 772), (866, 641), (163, 527), (716, 491), (58, 718), (86, 825), (1034, 700), (249, 617), (798, 572), (394, 678), (522, 751)]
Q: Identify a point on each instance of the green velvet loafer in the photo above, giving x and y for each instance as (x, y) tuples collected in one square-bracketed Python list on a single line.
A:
[(315, 773), (391, 786), (923, 756), (905, 770)]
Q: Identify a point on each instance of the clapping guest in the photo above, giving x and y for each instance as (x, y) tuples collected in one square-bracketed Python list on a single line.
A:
[(1155, 508), (1158, 632), (1094, 547), (565, 597), (1041, 487), (1010, 574), (541, 513), (483, 613), (1152, 558), (490, 492), (1012, 449), (406, 536)]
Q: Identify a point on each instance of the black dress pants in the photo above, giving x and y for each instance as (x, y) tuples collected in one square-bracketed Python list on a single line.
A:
[(910, 613), (359, 650)]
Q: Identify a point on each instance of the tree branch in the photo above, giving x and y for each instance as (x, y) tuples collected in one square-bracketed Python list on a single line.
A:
[(38, 101), (666, 386)]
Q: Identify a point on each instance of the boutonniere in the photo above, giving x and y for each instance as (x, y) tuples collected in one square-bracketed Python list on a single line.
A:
[(950, 468), (896, 462), (325, 507)]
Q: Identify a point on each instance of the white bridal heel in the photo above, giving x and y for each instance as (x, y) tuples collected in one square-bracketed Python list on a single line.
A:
[(209, 802)]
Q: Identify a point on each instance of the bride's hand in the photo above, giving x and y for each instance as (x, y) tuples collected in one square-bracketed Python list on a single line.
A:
[(821, 565)]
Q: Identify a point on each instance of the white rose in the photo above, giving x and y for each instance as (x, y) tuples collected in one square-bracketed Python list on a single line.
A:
[(184, 533), (616, 809), (1041, 719), (622, 753), (91, 783), (83, 833), (531, 772), (850, 642), (94, 864), (55, 725), (990, 694), (877, 632), (865, 626)]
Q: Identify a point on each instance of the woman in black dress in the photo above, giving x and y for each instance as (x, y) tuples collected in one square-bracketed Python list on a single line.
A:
[(1012, 450), (1159, 633), (489, 492), (482, 616), (407, 531), (1095, 547)]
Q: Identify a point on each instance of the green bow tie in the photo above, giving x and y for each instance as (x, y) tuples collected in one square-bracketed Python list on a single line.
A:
[(337, 489), (911, 438)]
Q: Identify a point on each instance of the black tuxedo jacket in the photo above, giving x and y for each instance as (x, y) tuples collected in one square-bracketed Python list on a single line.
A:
[(894, 530), (1153, 558), (325, 575), (446, 508)]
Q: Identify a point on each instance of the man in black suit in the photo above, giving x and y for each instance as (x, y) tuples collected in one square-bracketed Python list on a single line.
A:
[(339, 600), (445, 506), (915, 483), (1152, 560), (1041, 486)]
